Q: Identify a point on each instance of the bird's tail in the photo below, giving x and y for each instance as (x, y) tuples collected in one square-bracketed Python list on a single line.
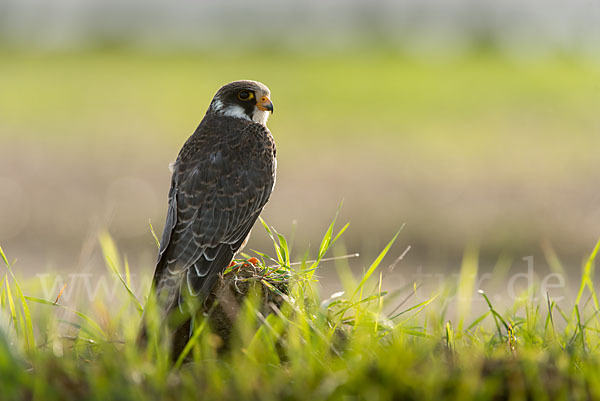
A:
[(162, 301)]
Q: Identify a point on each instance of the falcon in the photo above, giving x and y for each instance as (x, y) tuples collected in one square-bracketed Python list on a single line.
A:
[(220, 183)]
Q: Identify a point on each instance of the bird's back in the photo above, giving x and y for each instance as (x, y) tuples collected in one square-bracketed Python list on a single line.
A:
[(221, 181)]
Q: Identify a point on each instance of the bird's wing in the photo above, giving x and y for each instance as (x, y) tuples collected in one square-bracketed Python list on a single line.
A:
[(217, 193)]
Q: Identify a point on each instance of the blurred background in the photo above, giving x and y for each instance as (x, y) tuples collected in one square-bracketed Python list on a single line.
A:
[(474, 122)]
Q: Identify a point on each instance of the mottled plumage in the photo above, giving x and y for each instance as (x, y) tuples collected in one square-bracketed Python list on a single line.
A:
[(222, 179)]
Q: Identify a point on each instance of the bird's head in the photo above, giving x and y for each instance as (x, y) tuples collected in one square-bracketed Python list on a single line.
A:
[(243, 99)]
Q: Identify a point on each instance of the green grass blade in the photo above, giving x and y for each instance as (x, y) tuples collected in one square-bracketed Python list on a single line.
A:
[(586, 279), (25, 318), (495, 314), (326, 241), (374, 266), (466, 285), (418, 306), (11, 302), (339, 234), (285, 252), (82, 315), (478, 320), (110, 253), (156, 240), (3, 255)]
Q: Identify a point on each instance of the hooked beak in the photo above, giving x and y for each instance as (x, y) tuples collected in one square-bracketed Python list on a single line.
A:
[(265, 104)]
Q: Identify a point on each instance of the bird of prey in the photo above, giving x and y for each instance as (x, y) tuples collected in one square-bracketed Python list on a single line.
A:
[(221, 181)]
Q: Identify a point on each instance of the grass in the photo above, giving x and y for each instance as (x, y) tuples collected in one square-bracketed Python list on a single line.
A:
[(486, 145), (478, 119), (362, 344)]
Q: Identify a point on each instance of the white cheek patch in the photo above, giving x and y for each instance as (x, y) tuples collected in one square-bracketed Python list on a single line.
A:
[(260, 116), (234, 111)]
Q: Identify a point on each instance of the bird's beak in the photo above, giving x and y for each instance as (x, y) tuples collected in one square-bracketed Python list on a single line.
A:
[(265, 104)]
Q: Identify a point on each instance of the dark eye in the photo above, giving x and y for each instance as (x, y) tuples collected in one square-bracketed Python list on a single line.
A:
[(245, 95)]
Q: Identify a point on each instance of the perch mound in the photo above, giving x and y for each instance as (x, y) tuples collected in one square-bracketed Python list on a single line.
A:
[(225, 302)]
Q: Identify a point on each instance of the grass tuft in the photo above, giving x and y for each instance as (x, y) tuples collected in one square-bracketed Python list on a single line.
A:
[(363, 343)]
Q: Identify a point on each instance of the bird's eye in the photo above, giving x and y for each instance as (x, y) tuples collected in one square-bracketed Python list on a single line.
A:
[(245, 95)]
